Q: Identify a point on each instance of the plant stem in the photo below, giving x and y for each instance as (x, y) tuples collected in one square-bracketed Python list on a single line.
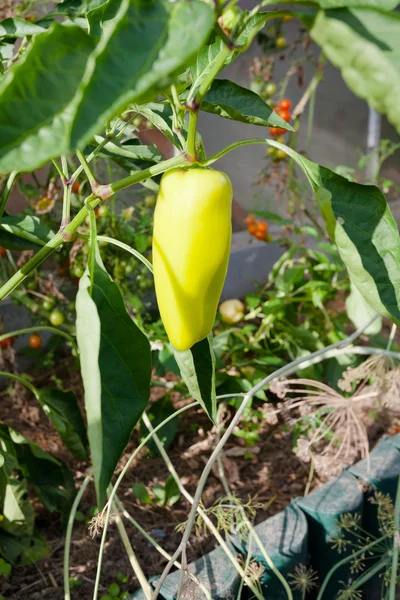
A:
[(39, 328), (59, 170), (200, 511), (68, 535), (175, 161), (137, 569), (22, 380), (7, 191), (105, 238), (228, 432), (342, 562), (191, 137), (66, 209), (87, 169), (396, 543), (70, 229), (107, 508)]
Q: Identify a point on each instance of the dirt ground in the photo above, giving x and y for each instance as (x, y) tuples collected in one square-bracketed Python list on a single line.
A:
[(271, 475)]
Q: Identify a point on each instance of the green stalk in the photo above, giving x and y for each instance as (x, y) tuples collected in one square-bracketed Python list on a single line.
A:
[(22, 380), (70, 229), (346, 560), (191, 138), (39, 328), (68, 535), (87, 169), (7, 191), (115, 187), (395, 555)]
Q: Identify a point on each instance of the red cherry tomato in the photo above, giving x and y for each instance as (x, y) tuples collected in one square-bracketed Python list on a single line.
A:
[(276, 131), (35, 341), (285, 104), (3, 252), (7, 342), (285, 115), (75, 187)]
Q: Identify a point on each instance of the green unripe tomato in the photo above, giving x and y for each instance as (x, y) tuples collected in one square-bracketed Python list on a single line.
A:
[(280, 42), (280, 140), (150, 201), (77, 271), (103, 211), (48, 304), (31, 285), (137, 121), (128, 269), (257, 85), (56, 318), (280, 154), (271, 151), (270, 89)]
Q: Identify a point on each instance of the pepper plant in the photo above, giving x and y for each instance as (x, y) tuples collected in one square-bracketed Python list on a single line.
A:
[(73, 84)]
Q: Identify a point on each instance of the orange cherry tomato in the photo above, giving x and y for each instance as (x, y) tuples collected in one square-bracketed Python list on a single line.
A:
[(260, 235), (262, 226), (287, 18), (276, 131), (35, 341), (252, 229), (7, 342), (75, 187), (285, 115), (250, 219), (3, 252), (285, 104)]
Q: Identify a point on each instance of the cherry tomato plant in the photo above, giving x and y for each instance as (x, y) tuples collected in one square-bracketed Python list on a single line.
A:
[(80, 87)]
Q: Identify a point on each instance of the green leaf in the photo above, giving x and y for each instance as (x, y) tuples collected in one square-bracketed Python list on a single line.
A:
[(102, 15), (359, 312), (31, 130), (23, 232), (116, 370), (78, 7), (160, 115), (24, 550), (159, 494), (15, 507), (381, 4), (231, 101), (158, 34), (134, 151), (365, 45), (63, 411), (198, 373), (140, 492), (360, 223), (208, 56), (16, 28), (158, 412), (50, 478), (172, 493), (5, 568)]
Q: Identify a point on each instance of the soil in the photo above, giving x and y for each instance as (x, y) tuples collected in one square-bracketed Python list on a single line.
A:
[(270, 473)]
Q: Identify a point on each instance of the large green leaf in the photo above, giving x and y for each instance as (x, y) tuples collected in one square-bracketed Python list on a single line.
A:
[(63, 411), (78, 7), (360, 223), (50, 478), (116, 370), (231, 101), (365, 45), (16, 509), (382, 4), (197, 367), (360, 312), (23, 550), (150, 42), (34, 96), (23, 232), (16, 28)]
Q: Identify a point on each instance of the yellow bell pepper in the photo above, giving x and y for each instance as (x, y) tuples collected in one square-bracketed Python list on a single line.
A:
[(191, 245)]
